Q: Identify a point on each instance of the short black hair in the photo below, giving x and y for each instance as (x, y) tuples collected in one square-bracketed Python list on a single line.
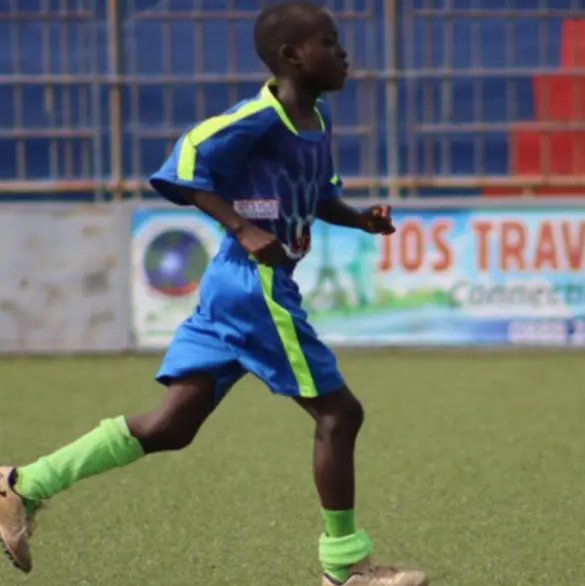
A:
[(280, 24)]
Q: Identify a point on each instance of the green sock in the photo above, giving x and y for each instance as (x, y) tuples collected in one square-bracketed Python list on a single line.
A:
[(338, 524), (338, 554), (108, 446)]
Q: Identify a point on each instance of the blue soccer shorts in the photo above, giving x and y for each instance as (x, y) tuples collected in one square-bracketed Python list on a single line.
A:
[(250, 319)]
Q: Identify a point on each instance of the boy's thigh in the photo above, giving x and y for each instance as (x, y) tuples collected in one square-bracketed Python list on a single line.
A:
[(195, 348)]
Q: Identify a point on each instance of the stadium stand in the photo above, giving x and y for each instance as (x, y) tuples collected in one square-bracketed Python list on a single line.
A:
[(449, 97)]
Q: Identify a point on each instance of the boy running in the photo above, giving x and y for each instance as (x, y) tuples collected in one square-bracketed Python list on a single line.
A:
[(263, 170)]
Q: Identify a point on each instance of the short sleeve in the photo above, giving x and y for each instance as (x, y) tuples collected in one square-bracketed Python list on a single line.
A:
[(334, 187), (210, 151)]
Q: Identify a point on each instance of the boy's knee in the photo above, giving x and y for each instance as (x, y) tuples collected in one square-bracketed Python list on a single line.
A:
[(345, 418), (174, 424), (166, 434)]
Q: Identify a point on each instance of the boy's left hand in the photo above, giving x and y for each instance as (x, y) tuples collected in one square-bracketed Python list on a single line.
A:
[(377, 220)]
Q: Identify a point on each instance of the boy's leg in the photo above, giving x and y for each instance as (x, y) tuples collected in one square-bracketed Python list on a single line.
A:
[(197, 370), (344, 549), (338, 418), (114, 443), (284, 351)]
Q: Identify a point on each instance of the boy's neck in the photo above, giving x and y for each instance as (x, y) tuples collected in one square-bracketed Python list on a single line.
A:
[(296, 99)]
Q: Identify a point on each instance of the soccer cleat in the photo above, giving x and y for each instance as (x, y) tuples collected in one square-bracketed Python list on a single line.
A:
[(15, 523), (366, 573)]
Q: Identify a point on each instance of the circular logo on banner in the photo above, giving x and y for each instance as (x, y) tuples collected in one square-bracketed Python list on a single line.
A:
[(174, 262)]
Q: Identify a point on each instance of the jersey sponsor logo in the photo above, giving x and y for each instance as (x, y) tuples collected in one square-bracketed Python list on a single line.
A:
[(257, 209)]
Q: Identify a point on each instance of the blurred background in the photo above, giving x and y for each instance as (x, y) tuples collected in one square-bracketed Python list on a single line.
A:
[(469, 114), (447, 97)]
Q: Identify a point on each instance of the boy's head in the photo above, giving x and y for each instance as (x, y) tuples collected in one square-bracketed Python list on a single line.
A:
[(299, 39)]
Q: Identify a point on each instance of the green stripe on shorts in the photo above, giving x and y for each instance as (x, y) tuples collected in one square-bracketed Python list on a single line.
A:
[(285, 326)]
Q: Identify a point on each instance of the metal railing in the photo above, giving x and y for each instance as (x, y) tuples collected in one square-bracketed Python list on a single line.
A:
[(92, 94)]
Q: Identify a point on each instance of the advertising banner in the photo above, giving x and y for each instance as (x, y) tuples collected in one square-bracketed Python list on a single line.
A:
[(446, 278)]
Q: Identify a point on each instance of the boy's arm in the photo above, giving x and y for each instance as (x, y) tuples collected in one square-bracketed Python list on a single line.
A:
[(335, 211), (214, 206), (374, 220), (189, 178), (331, 208), (264, 246)]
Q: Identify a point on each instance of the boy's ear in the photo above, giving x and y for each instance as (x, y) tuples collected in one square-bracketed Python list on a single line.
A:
[(290, 55)]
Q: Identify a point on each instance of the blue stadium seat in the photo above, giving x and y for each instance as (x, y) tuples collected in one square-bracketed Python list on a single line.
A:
[(492, 97)]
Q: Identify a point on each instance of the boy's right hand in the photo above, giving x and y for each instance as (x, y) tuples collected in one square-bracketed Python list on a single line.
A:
[(265, 247)]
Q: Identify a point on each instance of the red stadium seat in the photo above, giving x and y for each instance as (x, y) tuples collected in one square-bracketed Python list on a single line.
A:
[(559, 98)]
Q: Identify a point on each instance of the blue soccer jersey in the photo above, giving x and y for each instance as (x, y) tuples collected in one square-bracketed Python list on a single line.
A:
[(255, 159), (250, 317)]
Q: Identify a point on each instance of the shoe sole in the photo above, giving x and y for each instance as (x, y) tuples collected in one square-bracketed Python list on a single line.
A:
[(332, 582), (11, 557)]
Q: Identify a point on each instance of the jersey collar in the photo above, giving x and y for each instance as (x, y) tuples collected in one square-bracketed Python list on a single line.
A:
[(267, 96)]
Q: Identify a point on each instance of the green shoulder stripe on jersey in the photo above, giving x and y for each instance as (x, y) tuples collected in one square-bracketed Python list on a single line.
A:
[(186, 162), (287, 333), (214, 125), (188, 151)]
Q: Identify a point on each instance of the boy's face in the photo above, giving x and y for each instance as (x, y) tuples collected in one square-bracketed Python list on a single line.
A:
[(320, 60)]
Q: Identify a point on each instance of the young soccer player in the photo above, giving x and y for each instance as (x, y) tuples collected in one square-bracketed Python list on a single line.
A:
[(263, 170)]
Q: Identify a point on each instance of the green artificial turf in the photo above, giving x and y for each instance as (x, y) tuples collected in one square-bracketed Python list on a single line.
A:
[(470, 465)]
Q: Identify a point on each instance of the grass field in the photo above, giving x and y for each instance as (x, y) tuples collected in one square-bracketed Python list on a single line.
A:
[(470, 465)]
